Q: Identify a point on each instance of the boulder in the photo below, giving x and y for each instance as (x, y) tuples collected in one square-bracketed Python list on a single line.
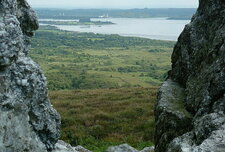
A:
[(121, 148), (148, 149)]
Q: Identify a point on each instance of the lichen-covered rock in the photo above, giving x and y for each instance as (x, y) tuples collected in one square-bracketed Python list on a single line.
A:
[(198, 67), (27, 120), (171, 114)]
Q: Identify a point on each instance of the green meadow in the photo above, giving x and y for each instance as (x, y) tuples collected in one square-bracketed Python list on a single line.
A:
[(73, 60)]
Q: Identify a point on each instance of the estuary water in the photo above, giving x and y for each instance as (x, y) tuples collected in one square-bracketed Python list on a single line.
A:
[(153, 28)]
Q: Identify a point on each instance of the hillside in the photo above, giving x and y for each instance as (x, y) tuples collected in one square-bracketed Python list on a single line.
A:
[(73, 60)]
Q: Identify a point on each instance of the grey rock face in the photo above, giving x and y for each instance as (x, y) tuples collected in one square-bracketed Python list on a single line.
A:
[(172, 118), (28, 121), (198, 73)]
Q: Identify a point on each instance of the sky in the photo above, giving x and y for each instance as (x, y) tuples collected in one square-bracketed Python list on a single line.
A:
[(123, 4)]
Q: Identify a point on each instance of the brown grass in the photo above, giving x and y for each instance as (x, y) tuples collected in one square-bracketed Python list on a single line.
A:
[(104, 116)]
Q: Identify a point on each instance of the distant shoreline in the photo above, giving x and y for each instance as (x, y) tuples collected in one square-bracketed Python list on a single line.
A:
[(76, 23), (179, 18), (173, 13), (60, 20), (72, 18)]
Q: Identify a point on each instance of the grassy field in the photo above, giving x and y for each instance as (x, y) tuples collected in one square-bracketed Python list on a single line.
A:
[(97, 119), (73, 60)]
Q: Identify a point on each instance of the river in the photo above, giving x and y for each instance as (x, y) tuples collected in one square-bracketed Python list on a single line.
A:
[(153, 28)]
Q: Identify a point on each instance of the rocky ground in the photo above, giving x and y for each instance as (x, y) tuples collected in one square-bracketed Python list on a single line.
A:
[(61, 146)]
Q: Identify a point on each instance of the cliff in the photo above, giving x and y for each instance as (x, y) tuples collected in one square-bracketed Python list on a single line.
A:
[(28, 121), (190, 110)]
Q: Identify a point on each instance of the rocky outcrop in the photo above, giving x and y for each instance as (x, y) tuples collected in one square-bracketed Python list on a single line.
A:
[(190, 110), (28, 121)]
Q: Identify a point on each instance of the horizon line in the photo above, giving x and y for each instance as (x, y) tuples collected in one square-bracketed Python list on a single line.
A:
[(118, 8)]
